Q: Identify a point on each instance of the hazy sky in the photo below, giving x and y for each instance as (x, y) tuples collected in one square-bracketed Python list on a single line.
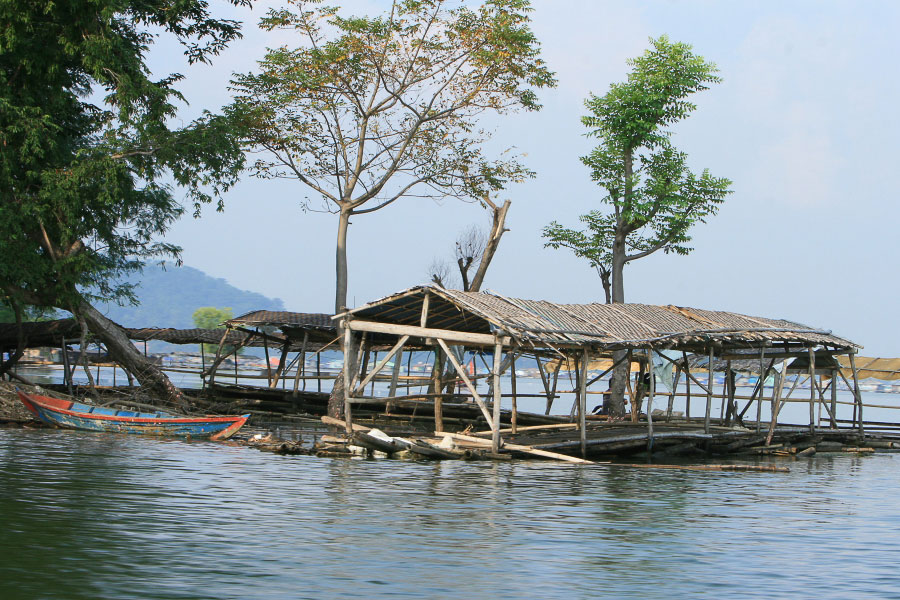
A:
[(804, 124)]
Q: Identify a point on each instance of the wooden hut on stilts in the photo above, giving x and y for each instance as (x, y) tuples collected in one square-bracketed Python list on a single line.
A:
[(694, 344)]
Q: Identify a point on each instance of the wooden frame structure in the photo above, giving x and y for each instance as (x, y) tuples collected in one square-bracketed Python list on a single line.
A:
[(508, 328)]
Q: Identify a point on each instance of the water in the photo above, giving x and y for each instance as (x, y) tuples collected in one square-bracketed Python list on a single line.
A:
[(111, 516)]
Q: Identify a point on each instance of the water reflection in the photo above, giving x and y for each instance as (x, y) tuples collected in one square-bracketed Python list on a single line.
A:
[(94, 516)]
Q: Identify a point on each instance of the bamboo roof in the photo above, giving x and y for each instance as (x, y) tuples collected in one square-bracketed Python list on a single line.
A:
[(599, 326), (317, 328), (52, 333)]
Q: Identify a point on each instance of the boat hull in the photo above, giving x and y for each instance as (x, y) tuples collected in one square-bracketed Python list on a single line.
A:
[(75, 415)]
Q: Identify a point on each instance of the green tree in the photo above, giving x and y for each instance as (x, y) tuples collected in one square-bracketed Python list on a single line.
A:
[(88, 155), (653, 198), (371, 110), (210, 317)]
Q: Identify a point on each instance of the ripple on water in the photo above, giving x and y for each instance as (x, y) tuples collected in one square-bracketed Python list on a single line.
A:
[(108, 516)]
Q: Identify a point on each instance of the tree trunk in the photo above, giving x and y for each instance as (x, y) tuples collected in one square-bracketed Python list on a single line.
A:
[(123, 351), (340, 263), (336, 398), (623, 371), (20, 341), (497, 231)]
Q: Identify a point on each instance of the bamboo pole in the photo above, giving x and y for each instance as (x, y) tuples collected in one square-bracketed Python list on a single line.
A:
[(687, 381), (266, 348), (515, 412), (762, 386), (301, 366), (282, 361), (812, 390), (495, 438), (833, 398), (465, 378), (582, 402), (521, 448), (650, 395), (709, 390), (857, 395), (672, 392), (348, 360), (215, 365), (777, 401), (381, 364)]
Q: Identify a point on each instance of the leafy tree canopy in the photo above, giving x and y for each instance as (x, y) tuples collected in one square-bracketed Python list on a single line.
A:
[(87, 153), (369, 110), (210, 317), (653, 195)]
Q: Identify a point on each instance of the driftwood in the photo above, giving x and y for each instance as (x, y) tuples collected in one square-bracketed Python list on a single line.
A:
[(520, 448)]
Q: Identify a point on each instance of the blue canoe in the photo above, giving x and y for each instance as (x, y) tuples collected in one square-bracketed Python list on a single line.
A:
[(75, 415)]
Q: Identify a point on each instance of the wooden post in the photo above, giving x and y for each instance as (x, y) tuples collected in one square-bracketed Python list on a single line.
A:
[(812, 390), (776, 401), (301, 366), (215, 365), (856, 393), (495, 435), (236, 368), (319, 371), (395, 377), (728, 396), (348, 365), (282, 362), (687, 382), (202, 368), (762, 386), (374, 360), (515, 413), (436, 388), (834, 384), (266, 348), (651, 392), (709, 389), (67, 376), (468, 382), (582, 401), (671, 404)]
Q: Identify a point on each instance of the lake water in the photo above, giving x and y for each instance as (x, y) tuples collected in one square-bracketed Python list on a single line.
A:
[(113, 516)]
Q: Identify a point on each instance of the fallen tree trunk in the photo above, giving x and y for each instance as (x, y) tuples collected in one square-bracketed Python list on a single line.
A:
[(152, 379)]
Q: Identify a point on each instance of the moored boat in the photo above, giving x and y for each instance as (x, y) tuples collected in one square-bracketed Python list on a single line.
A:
[(76, 415)]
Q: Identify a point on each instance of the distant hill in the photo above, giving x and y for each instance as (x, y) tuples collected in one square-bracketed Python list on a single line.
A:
[(169, 297)]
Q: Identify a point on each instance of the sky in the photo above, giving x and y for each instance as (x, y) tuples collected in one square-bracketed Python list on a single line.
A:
[(804, 124)]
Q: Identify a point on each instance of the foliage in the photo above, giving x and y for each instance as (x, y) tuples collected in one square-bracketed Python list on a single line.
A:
[(210, 317), (87, 152), (29, 313), (373, 109), (655, 198)]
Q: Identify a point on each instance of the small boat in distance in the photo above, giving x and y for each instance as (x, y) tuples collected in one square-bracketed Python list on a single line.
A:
[(75, 415)]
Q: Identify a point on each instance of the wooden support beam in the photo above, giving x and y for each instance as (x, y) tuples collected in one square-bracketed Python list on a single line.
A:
[(650, 395), (856, 394), (520, 448), (465, 378), (495, 439), (301, 365), (709, 389), (515, 409), (812, 390), (348, 365), (381, 364), (582, 402), (448, 335)]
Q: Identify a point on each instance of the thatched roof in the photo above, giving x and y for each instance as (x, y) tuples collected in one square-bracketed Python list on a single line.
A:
[(600, 326), (52, 333), (316, 327)]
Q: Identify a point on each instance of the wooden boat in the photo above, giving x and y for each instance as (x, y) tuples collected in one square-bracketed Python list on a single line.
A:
[(75, 415)]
